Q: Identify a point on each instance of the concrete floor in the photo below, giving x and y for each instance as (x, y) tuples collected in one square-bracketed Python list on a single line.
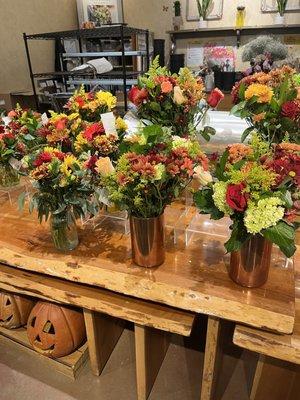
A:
[(23, 377)]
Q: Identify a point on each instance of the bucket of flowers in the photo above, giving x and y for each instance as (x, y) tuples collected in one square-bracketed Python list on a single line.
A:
[(270, 103), (148, 176), (176, 101), (257, 186), (11, 149)]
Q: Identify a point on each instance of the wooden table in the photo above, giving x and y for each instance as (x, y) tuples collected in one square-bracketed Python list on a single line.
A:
[(193, 278)]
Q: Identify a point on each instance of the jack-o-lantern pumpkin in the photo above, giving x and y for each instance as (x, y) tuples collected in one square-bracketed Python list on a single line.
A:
[(14, 310), (55, 331)]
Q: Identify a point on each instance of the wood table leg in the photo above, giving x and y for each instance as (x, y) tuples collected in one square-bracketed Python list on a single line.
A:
[(211, 357), (151, 346), (103, 333), (274, 379)]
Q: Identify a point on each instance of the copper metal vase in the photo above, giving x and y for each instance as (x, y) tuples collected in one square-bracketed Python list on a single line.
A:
[(250, 265), (147, 241)]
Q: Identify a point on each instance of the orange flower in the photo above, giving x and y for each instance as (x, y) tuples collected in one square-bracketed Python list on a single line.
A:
[(259, 117), (289, 146), (263, 93), (238, 151), (166, 87)]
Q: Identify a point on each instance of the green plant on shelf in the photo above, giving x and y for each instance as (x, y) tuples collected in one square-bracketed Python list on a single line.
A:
[(204, 7), (281, 6)]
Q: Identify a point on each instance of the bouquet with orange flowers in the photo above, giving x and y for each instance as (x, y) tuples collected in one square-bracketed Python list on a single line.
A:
[(90, 105), (175, 101), (270, 103)]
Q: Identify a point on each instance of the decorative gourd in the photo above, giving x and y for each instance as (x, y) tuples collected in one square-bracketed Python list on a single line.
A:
[(14, 310), (55, 331)]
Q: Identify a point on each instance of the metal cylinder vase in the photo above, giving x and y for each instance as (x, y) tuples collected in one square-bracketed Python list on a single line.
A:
[(147, 241), (250, 265)]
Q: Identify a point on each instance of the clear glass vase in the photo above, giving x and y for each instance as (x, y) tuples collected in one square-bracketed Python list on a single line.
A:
[(64, 231), (8, 176)]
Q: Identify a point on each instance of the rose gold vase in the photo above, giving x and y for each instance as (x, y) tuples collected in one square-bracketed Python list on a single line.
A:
[(250, 265), (147, 241)]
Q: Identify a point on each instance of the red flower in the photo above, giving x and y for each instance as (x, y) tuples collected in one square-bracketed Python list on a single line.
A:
[(80, 101), (91, 163), (42, 158), (291, 109), (215, 97), (93, 130), (61, 124), (235, 197), (137, 96)]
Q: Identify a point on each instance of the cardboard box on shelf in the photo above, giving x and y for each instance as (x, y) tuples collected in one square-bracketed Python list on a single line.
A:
[(23, 97)]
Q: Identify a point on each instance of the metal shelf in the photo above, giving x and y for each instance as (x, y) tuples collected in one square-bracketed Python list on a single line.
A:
[(101, 32), (102, 81), (104, 54), (116, 74)]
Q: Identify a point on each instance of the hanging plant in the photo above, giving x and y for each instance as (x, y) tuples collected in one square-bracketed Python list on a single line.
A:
[(281, 5), (203, 7)]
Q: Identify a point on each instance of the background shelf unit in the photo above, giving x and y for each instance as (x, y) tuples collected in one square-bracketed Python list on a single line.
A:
[(123, 75)]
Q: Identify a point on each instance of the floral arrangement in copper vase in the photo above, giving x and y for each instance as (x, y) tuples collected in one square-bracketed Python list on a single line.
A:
[(153, 171), (258, 187), (270, 103), (172, 100)]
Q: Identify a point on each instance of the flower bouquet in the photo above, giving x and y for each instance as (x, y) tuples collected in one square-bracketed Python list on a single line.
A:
[(148, 177), (10, 150), (90, 105), (63, 192), (270, 103), (257, 186), (175, 101)]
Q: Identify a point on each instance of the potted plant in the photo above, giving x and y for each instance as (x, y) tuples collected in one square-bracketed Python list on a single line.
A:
[(281, 7), (172, 100), (270, 104), (203, 9), (149, 175), (177, 19), (257, 186)]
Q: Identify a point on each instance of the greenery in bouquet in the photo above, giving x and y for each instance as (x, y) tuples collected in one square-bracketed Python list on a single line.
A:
[(90, 105), (258, 187), (173, 100), (270, 103), (61, 182), (153, 172)]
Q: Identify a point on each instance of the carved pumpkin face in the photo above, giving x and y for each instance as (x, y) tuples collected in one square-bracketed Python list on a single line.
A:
[(55, 331), (14, 310)]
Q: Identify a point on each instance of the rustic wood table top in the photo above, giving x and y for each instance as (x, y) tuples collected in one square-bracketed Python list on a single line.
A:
[(193, 277), (283, 347)]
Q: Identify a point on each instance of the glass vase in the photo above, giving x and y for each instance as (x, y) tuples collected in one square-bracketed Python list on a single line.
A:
[(147, 241), (250, 265), (8, 176), (64, 231)]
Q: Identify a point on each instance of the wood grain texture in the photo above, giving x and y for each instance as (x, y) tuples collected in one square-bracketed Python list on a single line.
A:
[(96, 299), (150, 349), (193, 278), (103, 333), (210, 359), (70, 365), (283, 347)]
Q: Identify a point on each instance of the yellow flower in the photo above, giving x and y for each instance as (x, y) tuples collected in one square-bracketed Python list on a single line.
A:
[(262, 92), (106, 99), (73, 116), (66, 167), (80, 142), (121, 124)]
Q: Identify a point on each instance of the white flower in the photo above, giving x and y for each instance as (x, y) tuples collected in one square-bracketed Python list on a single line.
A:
[(179, 97), (204, 177)]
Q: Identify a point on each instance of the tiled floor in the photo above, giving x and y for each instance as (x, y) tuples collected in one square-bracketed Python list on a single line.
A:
[(23, 377)]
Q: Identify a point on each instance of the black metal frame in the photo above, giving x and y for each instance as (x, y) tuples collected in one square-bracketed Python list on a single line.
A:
[(121, 31)]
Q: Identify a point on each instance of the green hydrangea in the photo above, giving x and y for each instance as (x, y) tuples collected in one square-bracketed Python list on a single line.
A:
[(193, 147), (219, 197), (257, 178), (160, 172), (259, 146), (266, 213), (296, 79)]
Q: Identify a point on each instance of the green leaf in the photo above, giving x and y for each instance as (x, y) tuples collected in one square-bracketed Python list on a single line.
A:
[(246, 133), (205, 203), (242, 90), (283, 235), (21, 201), (221, 165), (155, 106), (239, 236)]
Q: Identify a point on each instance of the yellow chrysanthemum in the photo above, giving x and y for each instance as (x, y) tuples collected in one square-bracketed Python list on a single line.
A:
[(80, 142), (121, 124), (106, 99), (263, 93), (68, 163)]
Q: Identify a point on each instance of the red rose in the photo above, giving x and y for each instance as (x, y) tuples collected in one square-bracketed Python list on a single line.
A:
[(291, 109), (215, 97), (235, 197), (137, 96)]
